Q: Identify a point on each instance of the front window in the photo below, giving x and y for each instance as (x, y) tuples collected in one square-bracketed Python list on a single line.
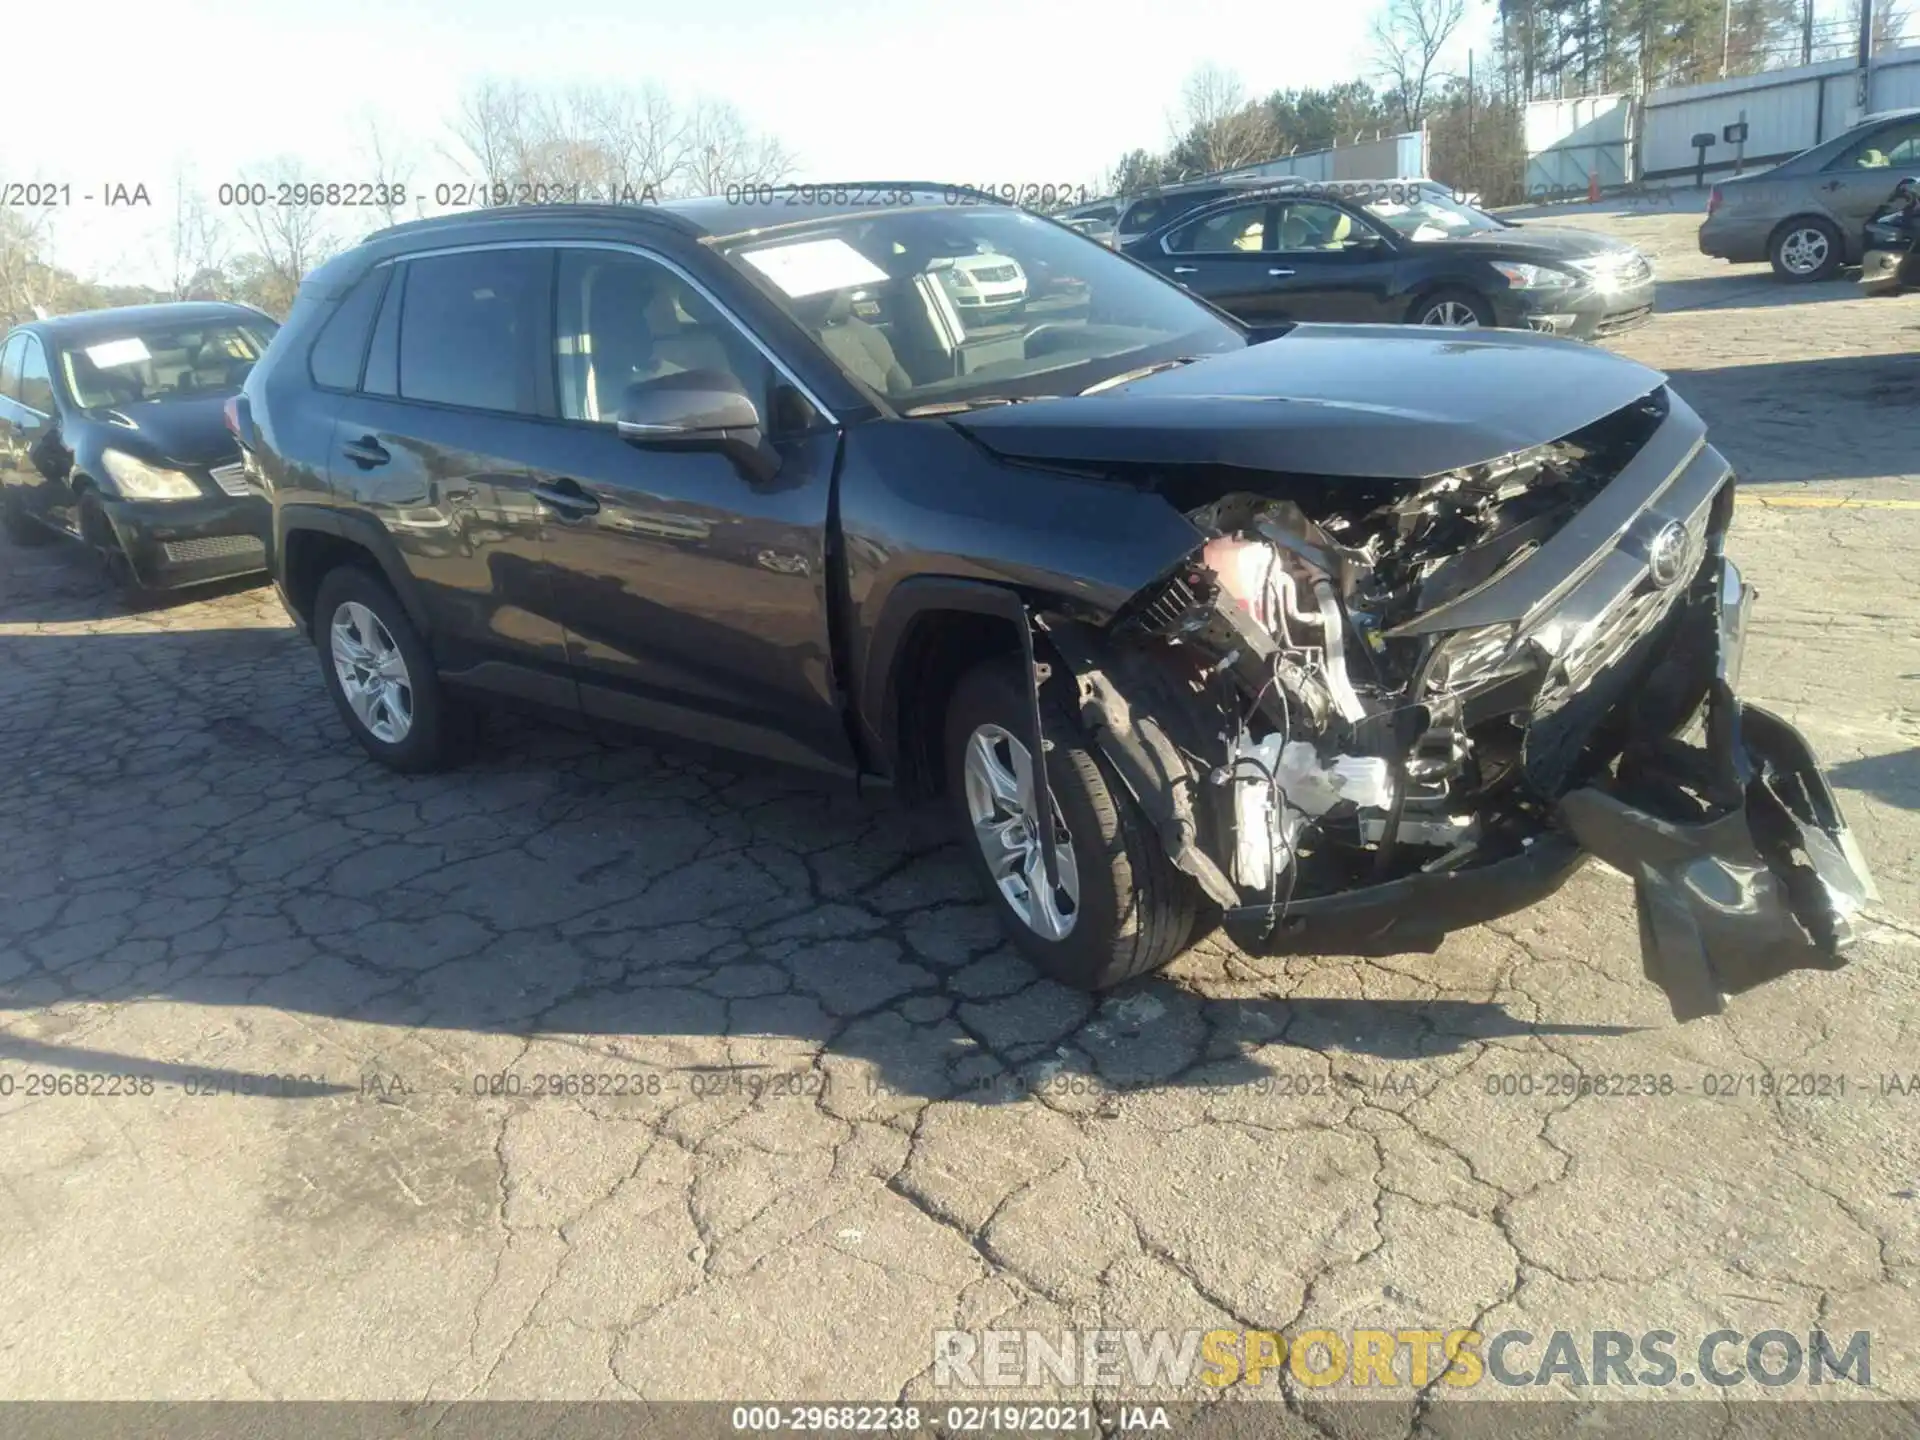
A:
[(1885, 148), (1423, 215), (958, 305), (167, 362)]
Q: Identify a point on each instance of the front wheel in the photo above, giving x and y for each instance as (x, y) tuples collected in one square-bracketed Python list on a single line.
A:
[(1806, 249), (1117, 907), (1456, 309), (109, 557)]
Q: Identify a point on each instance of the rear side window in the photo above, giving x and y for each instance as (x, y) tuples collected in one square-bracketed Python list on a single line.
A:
[(338, 354), (36, 390), (473, 329)]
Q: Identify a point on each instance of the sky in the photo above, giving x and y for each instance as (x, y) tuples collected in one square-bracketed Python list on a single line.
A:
[(975, 92)]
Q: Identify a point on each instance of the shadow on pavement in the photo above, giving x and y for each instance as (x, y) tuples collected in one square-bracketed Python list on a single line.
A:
[(1749, 288), (218, 841), (1893, 779)]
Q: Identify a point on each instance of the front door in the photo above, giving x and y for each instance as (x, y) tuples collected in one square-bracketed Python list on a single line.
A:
[(1332, 265), (440, 443), (1857, 183), (695, 598)]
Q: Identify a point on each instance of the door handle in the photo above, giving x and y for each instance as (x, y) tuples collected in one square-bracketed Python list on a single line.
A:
[(1276, 270), (567, 497), (366, 452), (1186, 269)]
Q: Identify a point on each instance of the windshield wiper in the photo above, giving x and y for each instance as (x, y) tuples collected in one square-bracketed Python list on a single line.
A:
[(954, 407), (1127, 375)]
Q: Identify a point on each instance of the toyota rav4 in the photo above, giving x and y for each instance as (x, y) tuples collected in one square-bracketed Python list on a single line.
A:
[(1340, 637)]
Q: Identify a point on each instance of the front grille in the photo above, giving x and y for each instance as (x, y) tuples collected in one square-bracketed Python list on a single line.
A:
[(213, 547), (994, 274), (232, 479)]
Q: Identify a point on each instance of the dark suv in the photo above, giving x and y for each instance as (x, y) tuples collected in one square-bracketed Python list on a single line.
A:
[(1349, 635)]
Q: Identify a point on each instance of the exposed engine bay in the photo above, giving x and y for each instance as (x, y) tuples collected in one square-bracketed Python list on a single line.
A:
[(1356, 724)]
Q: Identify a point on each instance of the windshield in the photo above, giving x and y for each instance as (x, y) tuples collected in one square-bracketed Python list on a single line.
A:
[(943, 306), (1430, 215), (164, 363)]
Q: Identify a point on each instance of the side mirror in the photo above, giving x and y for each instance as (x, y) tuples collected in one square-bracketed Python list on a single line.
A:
[(698, 410)]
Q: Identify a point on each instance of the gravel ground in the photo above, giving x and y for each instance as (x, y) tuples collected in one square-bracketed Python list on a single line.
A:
[(842, 1115)]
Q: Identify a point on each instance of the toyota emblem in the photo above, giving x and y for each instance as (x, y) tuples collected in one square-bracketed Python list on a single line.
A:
[(1667, 555)]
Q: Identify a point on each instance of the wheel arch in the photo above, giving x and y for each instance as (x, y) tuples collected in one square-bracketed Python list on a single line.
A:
[(313, 540)]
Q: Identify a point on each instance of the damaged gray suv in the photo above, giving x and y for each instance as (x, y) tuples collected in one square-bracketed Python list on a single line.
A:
[(1342, 637)]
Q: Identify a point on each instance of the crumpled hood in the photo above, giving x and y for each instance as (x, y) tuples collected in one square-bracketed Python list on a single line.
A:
[(1373, 401)]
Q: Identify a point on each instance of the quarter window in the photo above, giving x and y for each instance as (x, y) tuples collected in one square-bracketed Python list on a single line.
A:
[(36, 390), (10, 367), (625, 322), (471, 329)]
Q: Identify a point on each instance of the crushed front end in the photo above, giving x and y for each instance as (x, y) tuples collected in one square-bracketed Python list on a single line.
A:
[(1364, 716)]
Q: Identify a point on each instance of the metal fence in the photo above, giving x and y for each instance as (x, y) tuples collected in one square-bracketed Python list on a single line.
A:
[(1387, 158), (1626, 141)]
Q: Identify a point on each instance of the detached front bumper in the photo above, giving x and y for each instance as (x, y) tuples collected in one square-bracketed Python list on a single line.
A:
[(1743, 866)]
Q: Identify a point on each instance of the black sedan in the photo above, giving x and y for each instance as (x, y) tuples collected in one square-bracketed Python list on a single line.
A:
[(113, 429), (1396, 252)]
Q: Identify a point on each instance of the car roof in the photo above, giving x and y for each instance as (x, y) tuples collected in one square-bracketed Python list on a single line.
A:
[(711, 217), (83, 324)]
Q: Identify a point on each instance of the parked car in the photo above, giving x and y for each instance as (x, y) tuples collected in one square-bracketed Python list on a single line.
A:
[(985, 286), (1396, 252), (1806, 215), (1892, 259), (112, 430), (1357, 634), (1164, 204)]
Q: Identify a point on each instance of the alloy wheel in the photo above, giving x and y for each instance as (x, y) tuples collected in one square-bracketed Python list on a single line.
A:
[(372, 672), (1805, 250), (1455, 313), (1000, 802)]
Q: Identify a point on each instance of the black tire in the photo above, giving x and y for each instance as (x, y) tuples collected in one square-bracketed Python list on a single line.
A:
[(1135, 910), (439, 729), (109, 559), (1806, 232), (21, 528), (1431, 302)]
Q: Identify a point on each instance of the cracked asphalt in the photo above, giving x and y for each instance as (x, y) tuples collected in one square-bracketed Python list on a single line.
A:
[(616, 1075)]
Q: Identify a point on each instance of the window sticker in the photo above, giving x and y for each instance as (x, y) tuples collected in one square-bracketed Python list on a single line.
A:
[(815, 266), (130, 351)]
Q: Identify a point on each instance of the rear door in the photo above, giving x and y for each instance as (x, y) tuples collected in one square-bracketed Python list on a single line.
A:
[(439, 443), (1332, 264), (694, 598), (1224, 255)]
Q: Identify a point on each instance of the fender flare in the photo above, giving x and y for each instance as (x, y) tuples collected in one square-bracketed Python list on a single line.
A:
[(363, 532)]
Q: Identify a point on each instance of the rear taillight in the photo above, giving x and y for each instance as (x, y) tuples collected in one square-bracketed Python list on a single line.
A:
[(1713, 201)]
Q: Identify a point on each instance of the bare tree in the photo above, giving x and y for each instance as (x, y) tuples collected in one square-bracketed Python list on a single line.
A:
[(493, 127), (389, 163), (1407, 40), (721, 151), (195, 240), (289, 240), (26, 280), (1218, 127)]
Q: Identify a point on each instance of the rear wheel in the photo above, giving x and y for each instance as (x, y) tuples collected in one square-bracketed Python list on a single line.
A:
[(381, 676), (1117, 907), (1455, 309), (1806, 249)]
